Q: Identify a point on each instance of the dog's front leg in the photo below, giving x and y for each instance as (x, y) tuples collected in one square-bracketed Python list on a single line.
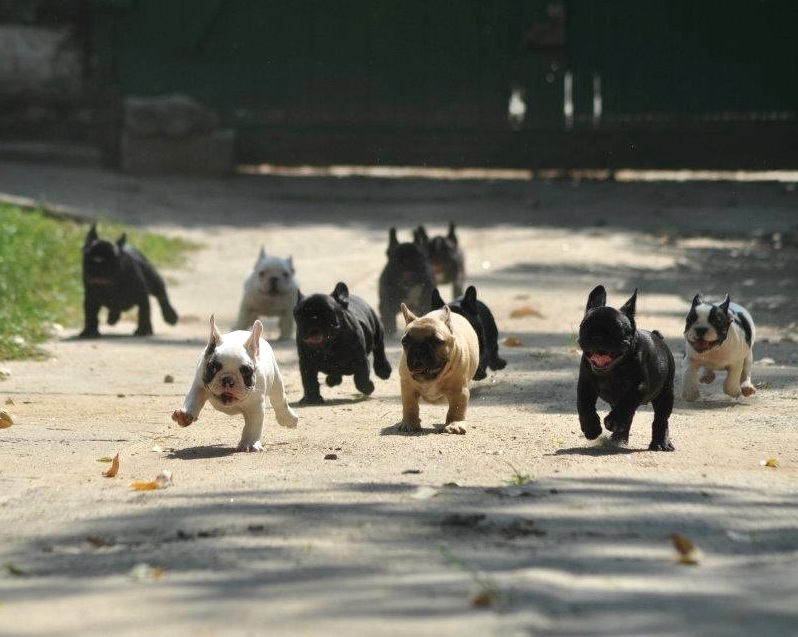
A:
[(663, 406), (145, 326), (192, 405), (411, 421), (746, 385), (619, 420), (253, 427), (91, 308), (731, 386), (310, 381), (586, 397), (286, 417), (362, 373), (690, 380), (455, 416)]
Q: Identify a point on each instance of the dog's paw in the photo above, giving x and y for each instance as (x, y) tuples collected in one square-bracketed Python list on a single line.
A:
[(182, 417), (408, 427), (663, 445), (497, 363), (707, 376), (455, 428), (747, 389), (382, 369), (620, 438), (311, 400), (89, 334), (366, 387), (169, 315), (288, 419), (334, 379), (248, 447), (591, 426), (143, 331), (480, 374)]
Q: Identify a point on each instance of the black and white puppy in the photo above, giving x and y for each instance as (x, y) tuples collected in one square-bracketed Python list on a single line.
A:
[(270, 290), (481, 319), (117, 276), (718, 336), (445, 257), (624, 366), (335, 333), (236, 373), (407, 278)]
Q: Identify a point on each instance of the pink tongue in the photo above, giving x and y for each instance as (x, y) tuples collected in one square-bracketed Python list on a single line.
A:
[(600, 360), (314, 340)]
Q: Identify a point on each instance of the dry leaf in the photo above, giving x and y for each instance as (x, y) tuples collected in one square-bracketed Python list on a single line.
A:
[(168, 378), (144, 572), (688, 553), (161, 481), (107, 459), (525, 310), (5, 419), (111, 473), (512, 341), (424, 493), (144, 486), (773, 463), (482, 599)]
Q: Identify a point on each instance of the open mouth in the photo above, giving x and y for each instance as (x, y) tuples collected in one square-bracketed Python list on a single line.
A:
[(314, 339), (601, 360), (96, 280), (424, 373), (227, 398), (701, 345)]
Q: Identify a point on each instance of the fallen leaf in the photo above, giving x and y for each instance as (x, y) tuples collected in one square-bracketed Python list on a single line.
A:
[(168, 378), (512, 341), (98, 542), (5, 419), (5, 373), (145, 572), (157, 448), (13, 569), (772, 463), (111, 473), (331, 456), (144, 486), (525, 310), (424, 493), (161, 481), (482, 599), (107, 459), (745, 538), (10, 401), (688, 554)]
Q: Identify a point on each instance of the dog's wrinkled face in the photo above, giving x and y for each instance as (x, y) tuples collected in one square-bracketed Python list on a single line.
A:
[(319, 317), (606, 334), (229, 368), (101, 259), (707, 324), (427, 344), (275, 276)]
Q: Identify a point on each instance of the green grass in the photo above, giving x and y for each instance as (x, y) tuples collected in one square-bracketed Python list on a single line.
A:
[(40, 275)]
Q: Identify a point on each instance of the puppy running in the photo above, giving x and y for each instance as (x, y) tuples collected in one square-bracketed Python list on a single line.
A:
[(236, 374), (718, 337), (440, 354), (625, 367), (270, 290)]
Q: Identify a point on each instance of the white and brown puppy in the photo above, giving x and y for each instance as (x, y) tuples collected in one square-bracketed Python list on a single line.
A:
[(236, 373), (440, 353), (718, 337), (270, 290)]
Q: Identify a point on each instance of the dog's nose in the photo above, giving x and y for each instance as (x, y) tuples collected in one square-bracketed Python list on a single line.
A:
[(228, 382), (700, 332)]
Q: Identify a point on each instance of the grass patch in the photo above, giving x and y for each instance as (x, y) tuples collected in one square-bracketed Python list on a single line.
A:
[(41, 279)]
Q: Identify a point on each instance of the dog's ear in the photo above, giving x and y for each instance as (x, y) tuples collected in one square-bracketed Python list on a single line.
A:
[(261, 255), (122, 240), (409, 316), (91, 236), (447, 317), (437, 300), (215, 339), (724, 307), (392, 241), (452, 236), (341, 294), (299, 297), (253, 342), (420, 237), (628, 309), (290, 262), (469, 302), (597, 298), (697, 300)]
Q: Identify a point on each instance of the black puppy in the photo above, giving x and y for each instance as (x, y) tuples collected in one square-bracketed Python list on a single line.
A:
[(624, 366), (406, 278), (445, 257), (334, 335), (481, 319), (117, 276)]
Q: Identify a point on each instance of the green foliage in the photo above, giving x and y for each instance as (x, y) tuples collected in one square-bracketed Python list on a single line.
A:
[(40, 275)]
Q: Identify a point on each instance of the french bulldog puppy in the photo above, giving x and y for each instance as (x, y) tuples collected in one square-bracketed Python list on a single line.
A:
[(718, 337), (407, 278), (624, 366), (236, 373), (117, 276), (335, 335), (270, 290), (440, 354), (481, 319), (445, 257)]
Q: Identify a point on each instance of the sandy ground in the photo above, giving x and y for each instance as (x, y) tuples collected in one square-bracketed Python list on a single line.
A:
[(410, 534)]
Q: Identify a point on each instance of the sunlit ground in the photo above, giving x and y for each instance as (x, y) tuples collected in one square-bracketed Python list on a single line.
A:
[(510, 174)]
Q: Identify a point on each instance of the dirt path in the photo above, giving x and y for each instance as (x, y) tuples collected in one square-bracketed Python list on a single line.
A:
[(399, 533)]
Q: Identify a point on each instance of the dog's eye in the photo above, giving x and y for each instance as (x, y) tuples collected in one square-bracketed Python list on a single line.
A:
[(246, 374)]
